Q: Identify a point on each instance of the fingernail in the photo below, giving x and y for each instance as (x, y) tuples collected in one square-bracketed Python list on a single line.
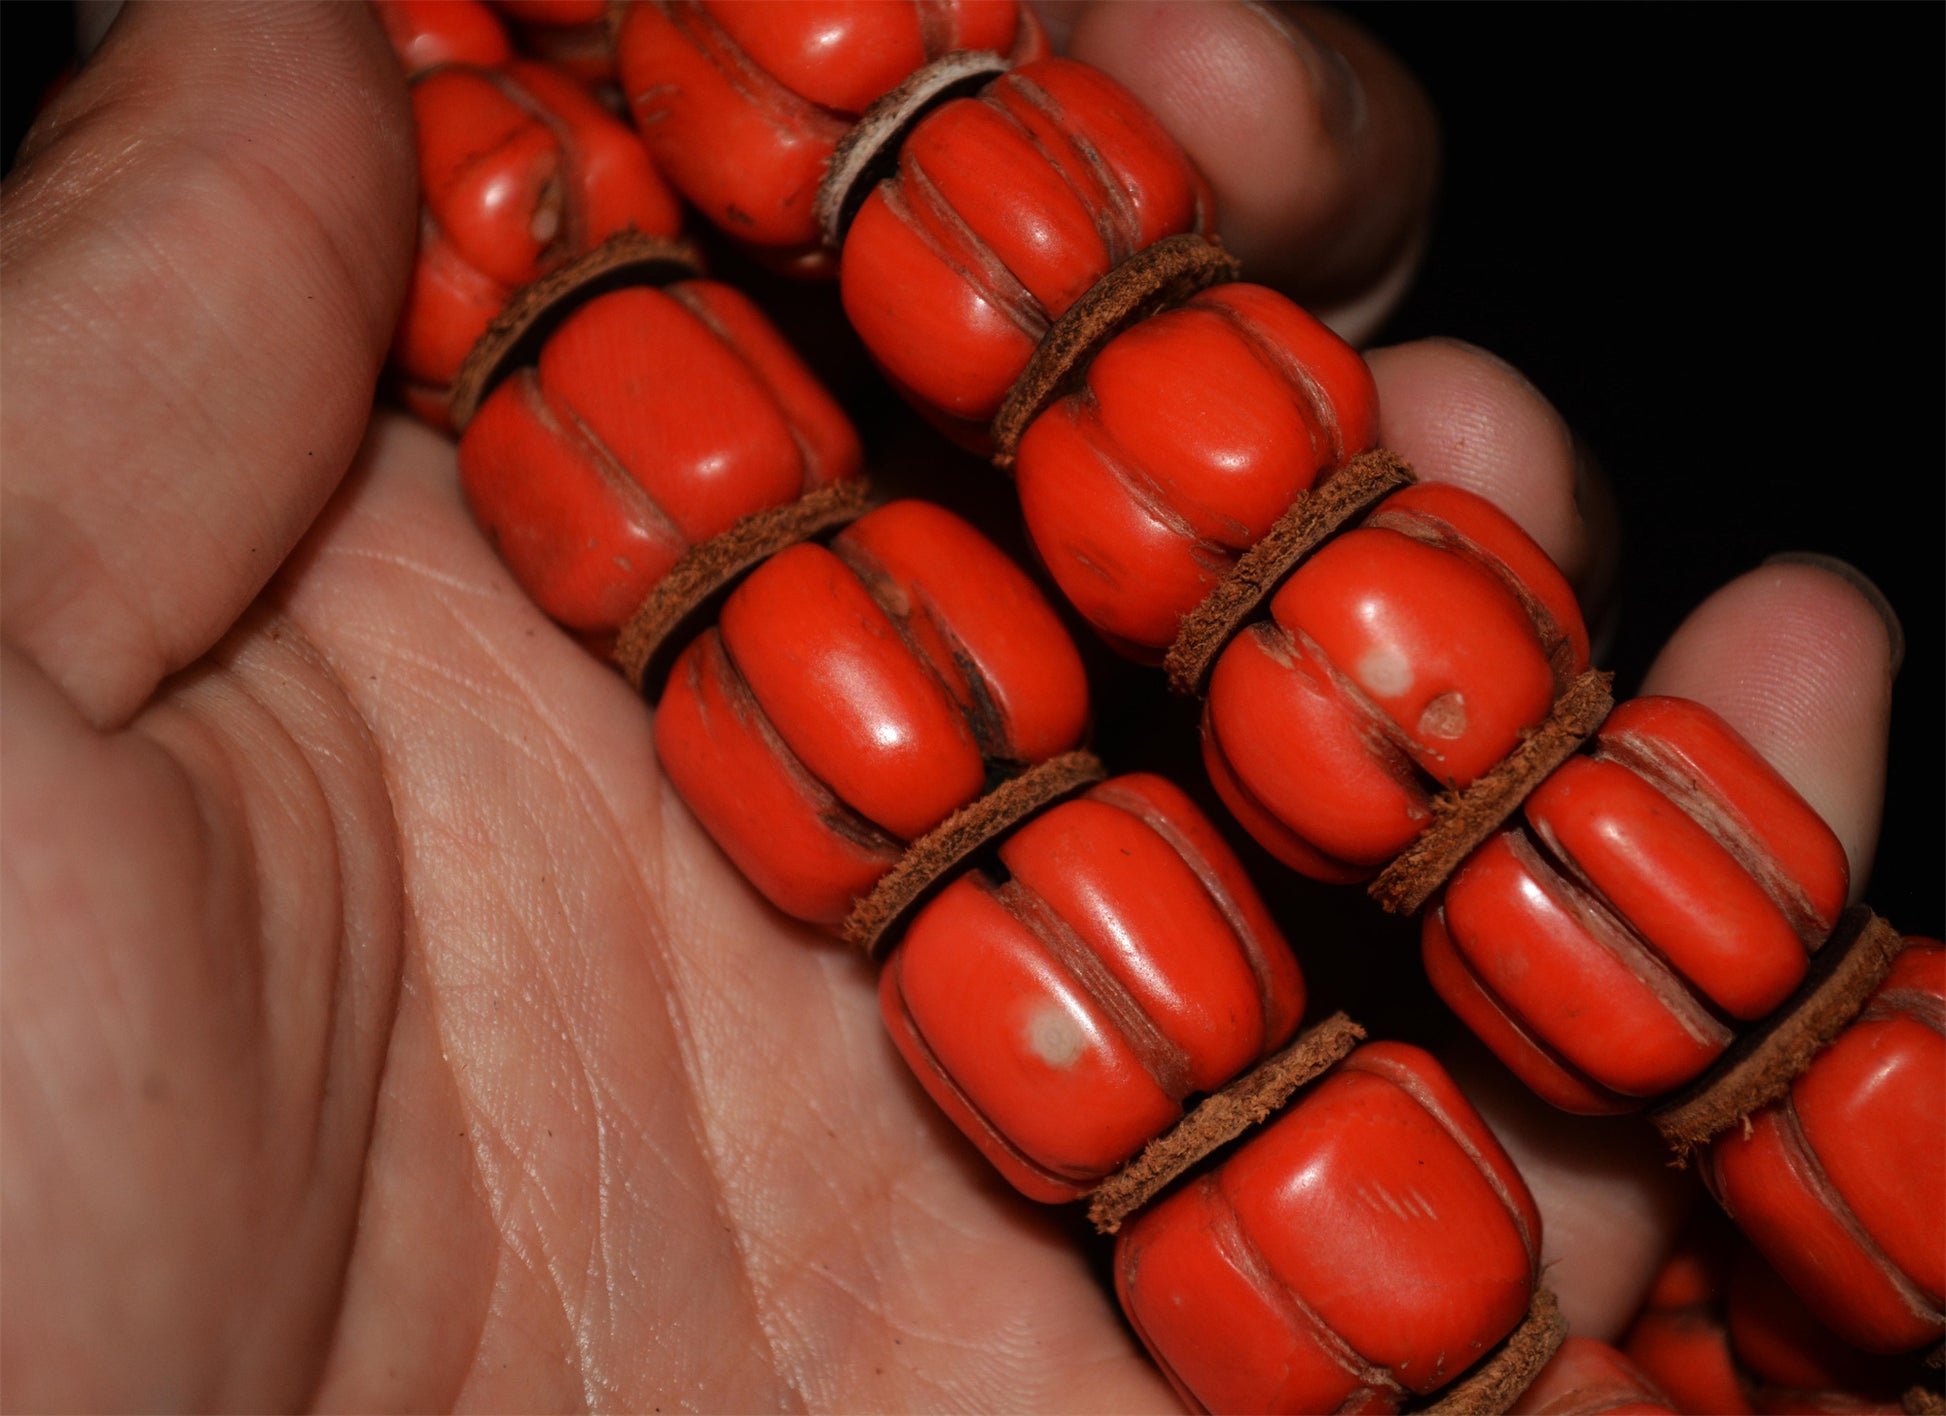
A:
[(1862, 583), (1341, 97)]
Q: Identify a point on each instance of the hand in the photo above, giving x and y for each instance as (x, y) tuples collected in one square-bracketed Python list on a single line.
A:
[(377, 1030)]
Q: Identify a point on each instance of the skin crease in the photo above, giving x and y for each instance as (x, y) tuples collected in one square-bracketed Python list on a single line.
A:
[(374, 1029)]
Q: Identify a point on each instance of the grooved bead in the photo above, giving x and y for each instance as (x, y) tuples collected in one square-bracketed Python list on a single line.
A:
[(1061, 1017), (1842, 1185), (743, 103), (1371, 1242), (1409, 654), (520, 171), (1665, 883), (653, 421), (852, 698), (1005, 209), (1194, 431)]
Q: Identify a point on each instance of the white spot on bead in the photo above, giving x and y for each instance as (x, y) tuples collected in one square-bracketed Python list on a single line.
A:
[(546, 224), (1386, 672), (1445, 717), (1055, 1037)]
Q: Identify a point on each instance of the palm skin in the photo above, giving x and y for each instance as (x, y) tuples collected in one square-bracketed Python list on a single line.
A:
[(376, 1030)]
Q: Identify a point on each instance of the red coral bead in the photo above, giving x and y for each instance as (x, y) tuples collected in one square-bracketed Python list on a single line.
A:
[(852, 698), (1589, 1378), (652, 421), (1372, 1242), (743, 103), (519, 172), (428, 33), (1668, 881), (1782, 1343), (1406, 655), (1842, 1184), (1680, 1338), (1193, 433), (1063, 1016), (1004, 210)]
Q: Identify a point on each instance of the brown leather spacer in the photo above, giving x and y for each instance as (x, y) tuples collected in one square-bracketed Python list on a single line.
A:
[(928, 862), (1312, 519), (1462, 820), (870, 151), (1151, 280), (699, 582), (1220, 1118), (1760, 1066), (514, 338), (1495, 1382), (1924, 1401)]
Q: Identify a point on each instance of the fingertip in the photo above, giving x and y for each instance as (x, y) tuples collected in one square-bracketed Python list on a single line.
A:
[(1465, 417), (1798, 656), (1320, 148)]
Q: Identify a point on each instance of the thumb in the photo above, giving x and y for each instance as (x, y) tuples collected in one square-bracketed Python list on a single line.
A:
[(206, 240)]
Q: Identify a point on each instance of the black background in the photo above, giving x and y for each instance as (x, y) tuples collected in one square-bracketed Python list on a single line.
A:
[(1712, 235)]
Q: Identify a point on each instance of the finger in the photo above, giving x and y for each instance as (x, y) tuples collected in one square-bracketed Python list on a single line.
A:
[(1462, 416), (1799, 657), (206, 238), (1320, 148)]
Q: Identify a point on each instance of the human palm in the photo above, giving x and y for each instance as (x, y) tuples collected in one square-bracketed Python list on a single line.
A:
[(378, 1030)]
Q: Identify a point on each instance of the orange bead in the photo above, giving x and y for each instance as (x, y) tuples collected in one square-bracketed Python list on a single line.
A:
[(1409, 654), (652, 421), (1589, 1378), (1004, 210), (852, 698), (428, 33), (743, 103), (1782, 1344), (1369, 1244), (1194, 431), (1665, 882), (519, 172), (1842, 1185), (1680, 1339), (1063, 1017)]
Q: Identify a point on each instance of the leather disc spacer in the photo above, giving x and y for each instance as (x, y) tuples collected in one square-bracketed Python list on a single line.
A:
[(1220, 1118), (1148, 282), (930, 862), (697, 584), (1759, 1067), (516, 334), (1495, 1382), (1462, 820), (870, 151), (1312, 519)]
